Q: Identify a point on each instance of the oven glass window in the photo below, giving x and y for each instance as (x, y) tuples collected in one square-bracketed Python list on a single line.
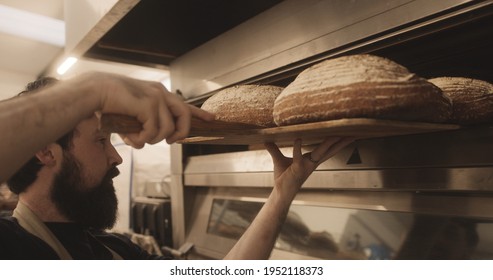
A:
[(230, 218), (339, 233)]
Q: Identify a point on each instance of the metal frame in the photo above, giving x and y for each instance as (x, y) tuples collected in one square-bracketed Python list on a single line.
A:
[(453, 160), (291, 35)]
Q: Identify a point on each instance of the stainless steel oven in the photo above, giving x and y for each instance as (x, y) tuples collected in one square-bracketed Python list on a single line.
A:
[(407, 197)]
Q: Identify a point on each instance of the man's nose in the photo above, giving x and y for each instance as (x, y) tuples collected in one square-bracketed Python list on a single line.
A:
[(114, 156)]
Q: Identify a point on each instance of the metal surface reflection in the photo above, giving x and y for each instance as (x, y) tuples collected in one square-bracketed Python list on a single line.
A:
[(337, 233)]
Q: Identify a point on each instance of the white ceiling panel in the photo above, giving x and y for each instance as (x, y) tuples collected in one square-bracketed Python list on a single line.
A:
[(25, 56), (23, 60), (49, 8)]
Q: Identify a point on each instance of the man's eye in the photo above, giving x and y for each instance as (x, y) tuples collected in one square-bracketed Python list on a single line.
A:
[(102, 140)]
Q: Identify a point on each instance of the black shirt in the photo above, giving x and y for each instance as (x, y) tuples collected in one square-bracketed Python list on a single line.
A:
[(18, 244)]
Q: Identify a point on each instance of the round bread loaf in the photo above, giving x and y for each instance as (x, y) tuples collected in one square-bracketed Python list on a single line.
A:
[(472, 100), (250, 104), (360, 86)]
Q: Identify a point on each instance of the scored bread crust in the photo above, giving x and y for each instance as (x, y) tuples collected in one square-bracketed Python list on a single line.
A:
[(360, 86), (472, 99), (249, 104)]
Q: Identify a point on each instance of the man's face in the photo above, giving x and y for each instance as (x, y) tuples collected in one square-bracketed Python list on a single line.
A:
[(83, 189)]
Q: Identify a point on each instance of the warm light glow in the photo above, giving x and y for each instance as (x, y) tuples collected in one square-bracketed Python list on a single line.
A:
[(69, 62), (32, 26), (166, 83)]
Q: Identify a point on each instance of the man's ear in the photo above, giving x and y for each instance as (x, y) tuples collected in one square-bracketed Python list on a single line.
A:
[(48, 155)]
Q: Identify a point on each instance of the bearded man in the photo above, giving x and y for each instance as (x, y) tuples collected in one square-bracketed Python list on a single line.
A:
[(67, 198)]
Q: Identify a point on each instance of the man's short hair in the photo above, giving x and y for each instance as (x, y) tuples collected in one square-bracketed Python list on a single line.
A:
[(28, 173)]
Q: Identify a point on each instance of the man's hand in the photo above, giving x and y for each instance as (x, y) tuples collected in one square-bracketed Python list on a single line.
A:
[(293, 172), (163, 115)]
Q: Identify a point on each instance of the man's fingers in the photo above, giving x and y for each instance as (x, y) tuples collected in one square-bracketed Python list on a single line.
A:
[(322, 148), (182, 128), (183, 118), (297, 155), (182, 114), (336, 147), (165, 124), (274, 151), (131, 139), (201, 114)]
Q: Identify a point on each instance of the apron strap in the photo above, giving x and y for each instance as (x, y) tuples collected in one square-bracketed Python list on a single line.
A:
[(32, 224)]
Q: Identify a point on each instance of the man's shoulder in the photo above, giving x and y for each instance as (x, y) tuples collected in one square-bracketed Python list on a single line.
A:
[(9, 225), (11, 231), (17, 243), (124, 246)]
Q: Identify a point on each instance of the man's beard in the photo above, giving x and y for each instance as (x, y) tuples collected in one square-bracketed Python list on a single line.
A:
[(90, 207)]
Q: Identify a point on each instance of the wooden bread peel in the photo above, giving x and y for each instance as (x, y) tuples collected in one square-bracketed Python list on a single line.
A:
[(227, 133)]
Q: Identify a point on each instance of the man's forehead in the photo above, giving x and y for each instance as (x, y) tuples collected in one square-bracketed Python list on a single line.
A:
[(89, 125)]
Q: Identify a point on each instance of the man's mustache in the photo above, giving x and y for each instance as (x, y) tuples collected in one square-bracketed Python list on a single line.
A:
[(112, 173)]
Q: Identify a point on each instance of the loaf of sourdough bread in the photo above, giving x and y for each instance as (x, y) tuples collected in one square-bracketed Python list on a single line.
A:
[(360, 86), (249, 104), (472, 99)]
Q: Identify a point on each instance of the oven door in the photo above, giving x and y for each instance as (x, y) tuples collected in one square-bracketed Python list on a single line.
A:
[(363, 225)]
